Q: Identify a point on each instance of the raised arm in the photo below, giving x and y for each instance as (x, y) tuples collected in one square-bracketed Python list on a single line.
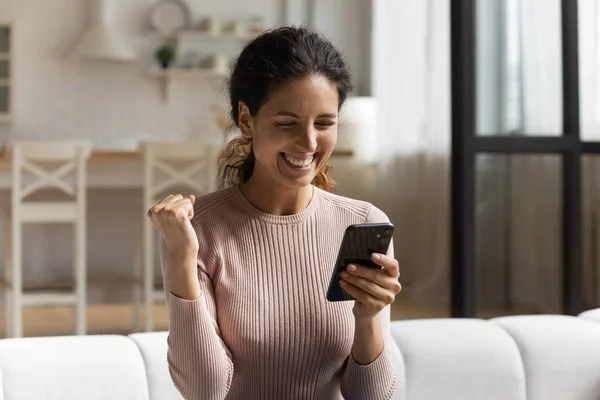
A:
[(199, 362)]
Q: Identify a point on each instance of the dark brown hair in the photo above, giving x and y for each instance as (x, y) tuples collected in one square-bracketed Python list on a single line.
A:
[(271, 59)]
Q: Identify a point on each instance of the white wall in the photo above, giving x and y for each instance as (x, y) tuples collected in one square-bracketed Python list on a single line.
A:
[(348, 24), (57, 97)]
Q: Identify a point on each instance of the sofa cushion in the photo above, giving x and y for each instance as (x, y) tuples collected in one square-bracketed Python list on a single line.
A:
[(72, 367), (591, 315), (560, 354), (397, 359), (459, 359), (153, 346)]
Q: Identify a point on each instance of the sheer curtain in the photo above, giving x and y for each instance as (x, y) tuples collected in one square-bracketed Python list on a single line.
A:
[(410, 78)]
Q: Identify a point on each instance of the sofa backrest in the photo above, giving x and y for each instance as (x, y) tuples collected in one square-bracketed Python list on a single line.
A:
[(72, 367), (536, 357), (560, 355), (459, 359), (510, 358), (153, 348)]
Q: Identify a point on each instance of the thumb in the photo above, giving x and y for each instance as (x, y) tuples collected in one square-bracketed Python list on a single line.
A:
[(193, 200)]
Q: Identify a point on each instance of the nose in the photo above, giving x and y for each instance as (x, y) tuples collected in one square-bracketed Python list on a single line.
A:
[(308, 139)]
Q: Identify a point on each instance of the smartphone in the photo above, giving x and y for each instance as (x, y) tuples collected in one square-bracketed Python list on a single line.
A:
[(360, 241)]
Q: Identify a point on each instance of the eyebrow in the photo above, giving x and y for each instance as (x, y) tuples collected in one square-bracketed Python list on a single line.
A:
[(291, 114)]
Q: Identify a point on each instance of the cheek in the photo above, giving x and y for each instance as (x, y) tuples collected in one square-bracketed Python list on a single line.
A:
[(265, 146), (329, 140)]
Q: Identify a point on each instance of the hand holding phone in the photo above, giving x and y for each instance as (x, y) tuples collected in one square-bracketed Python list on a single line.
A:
[(359, 242)]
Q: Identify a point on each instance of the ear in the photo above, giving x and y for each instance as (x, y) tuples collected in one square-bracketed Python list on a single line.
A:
[(244, 120)]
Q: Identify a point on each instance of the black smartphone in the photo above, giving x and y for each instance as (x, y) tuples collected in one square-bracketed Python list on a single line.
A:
[(360, 241)]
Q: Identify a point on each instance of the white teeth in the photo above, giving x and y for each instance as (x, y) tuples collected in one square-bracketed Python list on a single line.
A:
[(298, 162)]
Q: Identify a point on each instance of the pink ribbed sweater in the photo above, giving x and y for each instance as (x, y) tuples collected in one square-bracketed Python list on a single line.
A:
[(263, 328)]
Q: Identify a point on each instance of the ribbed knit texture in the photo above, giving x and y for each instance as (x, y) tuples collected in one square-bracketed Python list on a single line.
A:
[(263, 328)]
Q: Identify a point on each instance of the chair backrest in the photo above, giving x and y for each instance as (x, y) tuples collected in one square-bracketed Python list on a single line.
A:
[(27, 157), (167, 158)]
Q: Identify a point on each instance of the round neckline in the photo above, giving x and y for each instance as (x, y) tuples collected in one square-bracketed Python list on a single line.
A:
[(277, 219)]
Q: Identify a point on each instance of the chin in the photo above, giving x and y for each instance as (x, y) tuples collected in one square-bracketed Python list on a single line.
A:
[(299, 183)]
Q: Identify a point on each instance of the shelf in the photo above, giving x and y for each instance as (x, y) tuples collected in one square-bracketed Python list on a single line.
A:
[(166, 76), (203, 36), (217, 45), (192, 34), (178, 72)]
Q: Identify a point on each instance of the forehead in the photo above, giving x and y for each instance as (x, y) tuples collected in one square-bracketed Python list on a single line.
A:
[(312, 94)]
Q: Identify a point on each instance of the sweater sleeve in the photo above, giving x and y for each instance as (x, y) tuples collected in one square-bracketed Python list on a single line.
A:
[(377, 380), (200, 364)]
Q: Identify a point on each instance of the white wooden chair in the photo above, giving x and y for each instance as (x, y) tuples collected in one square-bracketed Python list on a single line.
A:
[(28, 157), (167, 167)]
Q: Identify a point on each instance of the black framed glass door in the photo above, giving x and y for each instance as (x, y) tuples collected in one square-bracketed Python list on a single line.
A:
[(516, 109)]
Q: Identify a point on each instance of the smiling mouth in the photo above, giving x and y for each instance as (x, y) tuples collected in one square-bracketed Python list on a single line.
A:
[(296, 162)]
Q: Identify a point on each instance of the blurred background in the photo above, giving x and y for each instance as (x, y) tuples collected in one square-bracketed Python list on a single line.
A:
[(118, 75)]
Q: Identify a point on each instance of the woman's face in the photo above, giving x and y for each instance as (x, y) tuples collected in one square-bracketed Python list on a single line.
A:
[(294, 132)]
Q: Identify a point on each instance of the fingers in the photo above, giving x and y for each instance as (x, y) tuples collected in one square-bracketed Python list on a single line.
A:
[(363, 297), (380, 277), (368, 286), (389, 264), (162, 204), (372, 287), (171, 199), (170, 202), (182, 208), (372, 274)]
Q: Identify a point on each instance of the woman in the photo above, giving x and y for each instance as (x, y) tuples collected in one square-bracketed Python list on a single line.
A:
[(246, 269)]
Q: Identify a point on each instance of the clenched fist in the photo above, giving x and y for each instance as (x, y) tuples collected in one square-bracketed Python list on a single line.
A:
[(172, 217)]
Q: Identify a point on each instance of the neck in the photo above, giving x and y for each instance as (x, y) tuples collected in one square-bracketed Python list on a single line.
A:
[(276, 200)]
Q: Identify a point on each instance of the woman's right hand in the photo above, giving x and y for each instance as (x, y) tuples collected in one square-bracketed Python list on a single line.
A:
[(172, 217)]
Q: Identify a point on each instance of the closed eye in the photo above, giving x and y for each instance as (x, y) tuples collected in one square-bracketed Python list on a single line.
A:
[(285, 124), (325, 125)]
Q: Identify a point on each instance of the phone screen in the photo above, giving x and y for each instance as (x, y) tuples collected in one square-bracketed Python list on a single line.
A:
[(360, 241)]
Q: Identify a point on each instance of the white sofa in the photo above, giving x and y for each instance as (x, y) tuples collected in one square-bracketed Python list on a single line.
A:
[(510, 358)]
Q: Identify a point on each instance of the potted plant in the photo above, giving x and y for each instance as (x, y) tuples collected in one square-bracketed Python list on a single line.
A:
[(165, 55)]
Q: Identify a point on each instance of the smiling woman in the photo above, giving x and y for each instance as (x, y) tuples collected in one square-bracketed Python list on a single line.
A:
[(246, 269), (293, 133), (289, 82)]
